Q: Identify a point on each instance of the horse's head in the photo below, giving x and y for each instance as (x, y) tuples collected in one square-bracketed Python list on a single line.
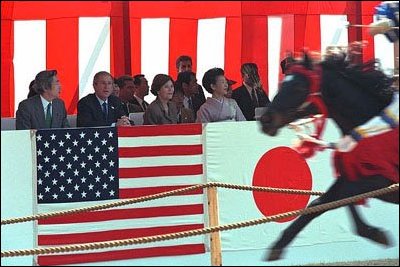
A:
[(287, 105), (352, 93), (291, 101)]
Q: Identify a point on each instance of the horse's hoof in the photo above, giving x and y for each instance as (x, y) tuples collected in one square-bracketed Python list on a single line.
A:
[(275, 254), (376, 235)]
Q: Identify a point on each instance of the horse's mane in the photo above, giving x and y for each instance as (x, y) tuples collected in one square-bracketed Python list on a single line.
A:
[(367, 76), (353, 93)]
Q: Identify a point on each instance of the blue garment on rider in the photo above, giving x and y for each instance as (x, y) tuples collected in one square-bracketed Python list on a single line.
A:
[(389, 10)]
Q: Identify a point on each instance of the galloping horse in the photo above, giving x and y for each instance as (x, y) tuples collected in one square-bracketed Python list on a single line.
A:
[(351, 95)]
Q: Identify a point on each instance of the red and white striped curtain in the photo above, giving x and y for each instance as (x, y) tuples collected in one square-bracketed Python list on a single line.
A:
[(79, 38)]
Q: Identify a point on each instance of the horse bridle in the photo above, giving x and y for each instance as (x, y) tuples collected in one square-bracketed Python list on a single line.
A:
[(314, 97)]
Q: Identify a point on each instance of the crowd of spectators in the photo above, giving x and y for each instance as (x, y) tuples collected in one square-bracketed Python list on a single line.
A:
[(114, 98)]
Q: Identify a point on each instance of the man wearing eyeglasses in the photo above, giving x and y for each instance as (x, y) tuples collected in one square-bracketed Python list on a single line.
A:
[(101, 108), (44, 110)]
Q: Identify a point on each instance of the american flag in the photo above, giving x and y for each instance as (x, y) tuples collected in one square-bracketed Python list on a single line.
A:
[(89, 166)]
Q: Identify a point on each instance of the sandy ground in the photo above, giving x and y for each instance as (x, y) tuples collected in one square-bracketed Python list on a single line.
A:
[(383, 262)]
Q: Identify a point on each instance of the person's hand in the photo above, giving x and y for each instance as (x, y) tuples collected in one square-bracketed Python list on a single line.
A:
[(346, 144), (123, 121)]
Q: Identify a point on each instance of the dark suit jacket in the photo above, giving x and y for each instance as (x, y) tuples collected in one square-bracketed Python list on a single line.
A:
[(30, 114), (243, 98), (90, 113), (138, 107), (198, 100)]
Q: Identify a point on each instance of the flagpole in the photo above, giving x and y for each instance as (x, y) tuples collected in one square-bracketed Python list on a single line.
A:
[(34, 194), (215, 240)]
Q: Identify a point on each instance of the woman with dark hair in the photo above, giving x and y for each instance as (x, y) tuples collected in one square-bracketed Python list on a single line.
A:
[(162, 110), (218, 107)]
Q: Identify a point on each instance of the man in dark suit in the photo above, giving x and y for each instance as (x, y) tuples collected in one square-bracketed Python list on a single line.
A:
[(101, 108), (44, 110), (250, 95), (184, 63), (141, 90)]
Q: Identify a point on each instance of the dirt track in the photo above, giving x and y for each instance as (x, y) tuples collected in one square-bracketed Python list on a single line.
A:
[(383, 262)]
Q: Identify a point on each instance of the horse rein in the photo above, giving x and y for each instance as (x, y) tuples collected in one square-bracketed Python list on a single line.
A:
[(313, 142), (314, 97)]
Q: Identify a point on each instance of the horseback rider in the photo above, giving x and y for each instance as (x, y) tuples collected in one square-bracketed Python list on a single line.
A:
[(387, 14)]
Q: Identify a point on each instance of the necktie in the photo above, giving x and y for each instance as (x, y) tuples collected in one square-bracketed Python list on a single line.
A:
[(105, 110), (190, 103), (144, 106), (48, 116), (254, 97)]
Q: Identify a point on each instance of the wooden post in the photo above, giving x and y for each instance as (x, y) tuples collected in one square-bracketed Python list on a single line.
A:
[(216, 256)]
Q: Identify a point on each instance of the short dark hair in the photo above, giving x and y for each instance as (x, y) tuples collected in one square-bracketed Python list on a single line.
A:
[(137, 79), (210, 77), (43, 80), (101, 73), (122, 79), (158, 81), (32, 91), (249, 68), (182, 58), (184, 77)]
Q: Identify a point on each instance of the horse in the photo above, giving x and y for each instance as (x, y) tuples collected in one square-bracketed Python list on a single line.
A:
[(351, 94)]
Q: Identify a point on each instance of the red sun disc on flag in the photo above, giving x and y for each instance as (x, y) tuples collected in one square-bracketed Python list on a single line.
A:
[(281, 167)]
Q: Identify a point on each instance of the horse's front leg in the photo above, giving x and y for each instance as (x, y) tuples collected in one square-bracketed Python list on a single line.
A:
[(291, 232), (372, 233)]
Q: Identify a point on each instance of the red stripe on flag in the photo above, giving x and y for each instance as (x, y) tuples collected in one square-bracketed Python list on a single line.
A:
[(121, 254), (66, 239), (145, 151), (160, 171), (162, 130), (140, 192), (121, 214)]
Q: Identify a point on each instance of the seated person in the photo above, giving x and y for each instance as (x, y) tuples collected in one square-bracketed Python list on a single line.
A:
[(187, 84), (44, 110), (218, 107), (161, 110), (116, 88), (141, 90), (126, 91), (101, 108), (250, 95), (184, 63), (185, 115)]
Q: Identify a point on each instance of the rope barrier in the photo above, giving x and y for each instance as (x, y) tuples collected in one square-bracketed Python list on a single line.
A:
[(265, 189), (132, 241), (152, 197)]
